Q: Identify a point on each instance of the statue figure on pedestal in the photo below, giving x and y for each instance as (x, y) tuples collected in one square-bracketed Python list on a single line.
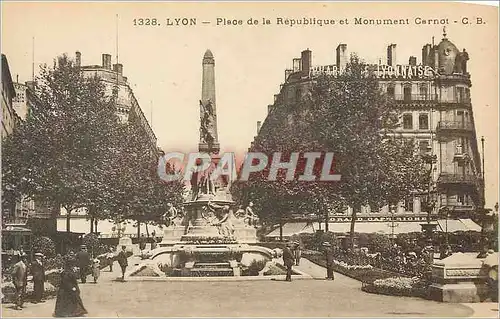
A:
[(207, 120), (171, 216), (224, 218), (250, 217)]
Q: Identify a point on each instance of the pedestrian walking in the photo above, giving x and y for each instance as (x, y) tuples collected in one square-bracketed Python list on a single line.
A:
[(96, 269), (38, 272), (154, 244), (84, 263), (122, 261), (142, 243), (68, 302), (297, 252), (288, 261), (19, 279), (110, 256), (329, 260)]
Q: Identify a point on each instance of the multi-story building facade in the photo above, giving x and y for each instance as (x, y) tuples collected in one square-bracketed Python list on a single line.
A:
[(128, 111), (127, 105), (436, 110), (9, 117)]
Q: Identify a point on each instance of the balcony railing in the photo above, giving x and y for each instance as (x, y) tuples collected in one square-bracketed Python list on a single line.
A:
[(455, 125), (458, 99), (428, 98), (415, 98), (449, 178)]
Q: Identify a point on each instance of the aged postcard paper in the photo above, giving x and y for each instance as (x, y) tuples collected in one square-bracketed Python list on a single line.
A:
[(168, 159)]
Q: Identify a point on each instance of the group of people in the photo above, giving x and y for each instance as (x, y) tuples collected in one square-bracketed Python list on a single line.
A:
[(68, 302), (20, 278), (292, 254)]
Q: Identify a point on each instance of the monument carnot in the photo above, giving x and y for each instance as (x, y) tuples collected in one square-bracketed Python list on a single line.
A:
[(209, 240)]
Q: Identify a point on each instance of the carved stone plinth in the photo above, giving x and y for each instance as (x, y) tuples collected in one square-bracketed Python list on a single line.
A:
[(459, 278), (172, 235), (245, 234)]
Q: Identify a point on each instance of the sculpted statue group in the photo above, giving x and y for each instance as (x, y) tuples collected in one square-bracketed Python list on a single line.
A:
[(207, 122), (221, 216)]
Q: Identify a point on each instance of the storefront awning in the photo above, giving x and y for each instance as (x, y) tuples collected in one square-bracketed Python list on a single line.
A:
[(290, 229), (455, 225)]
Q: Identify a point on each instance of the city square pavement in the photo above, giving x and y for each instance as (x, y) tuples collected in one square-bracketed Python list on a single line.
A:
[(312, 298)]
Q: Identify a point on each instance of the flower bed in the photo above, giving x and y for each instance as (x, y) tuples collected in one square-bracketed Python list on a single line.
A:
[(211, 240), (9, 291), (375, 280), (398, 286), (363, 273)]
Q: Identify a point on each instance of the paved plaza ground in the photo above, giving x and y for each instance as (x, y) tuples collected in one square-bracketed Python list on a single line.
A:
[(312, 298)]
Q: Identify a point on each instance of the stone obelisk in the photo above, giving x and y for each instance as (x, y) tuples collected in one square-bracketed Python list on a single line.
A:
[(209, 141)]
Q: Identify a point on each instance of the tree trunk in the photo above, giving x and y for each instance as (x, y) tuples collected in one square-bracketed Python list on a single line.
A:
[(353, 222), (68, 220), (147, 231), (95, 226), (327, 219), (281, 227), (91, 225), (138, 229)]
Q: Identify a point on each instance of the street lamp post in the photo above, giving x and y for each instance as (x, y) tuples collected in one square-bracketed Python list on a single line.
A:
[(483, 211), (428, 228), (393, 224)]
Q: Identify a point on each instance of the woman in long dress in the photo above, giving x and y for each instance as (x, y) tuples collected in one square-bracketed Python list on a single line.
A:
[(69, 303)]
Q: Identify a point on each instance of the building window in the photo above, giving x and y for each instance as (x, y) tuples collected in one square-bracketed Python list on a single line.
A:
[(462, 199), (390, 91), (424, 147), (423, 92), (460, 95), (407, 121), (407, 93), (298, 95), (423, 121), (408, 204)]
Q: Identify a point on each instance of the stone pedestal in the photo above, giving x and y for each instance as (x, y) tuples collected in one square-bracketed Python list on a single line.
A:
[(245, 234), (172, 235), (459, 278)]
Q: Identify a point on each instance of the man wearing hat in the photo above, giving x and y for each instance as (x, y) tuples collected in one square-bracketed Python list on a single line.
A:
[(329, 260), (84, 262), (38, 272), (19, 279), (288, 261)]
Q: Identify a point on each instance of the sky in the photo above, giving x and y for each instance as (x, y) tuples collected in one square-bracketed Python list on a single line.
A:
[(163, 63)]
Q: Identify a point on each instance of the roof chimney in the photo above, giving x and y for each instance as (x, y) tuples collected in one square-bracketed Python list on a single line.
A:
[(296, 65), (78, 58), (412, 61), (118, 68), (106, 61), (341, 56), (306, 60), (391, 55)]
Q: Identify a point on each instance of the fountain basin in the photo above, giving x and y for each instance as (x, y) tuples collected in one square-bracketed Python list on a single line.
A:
[(209, 259)]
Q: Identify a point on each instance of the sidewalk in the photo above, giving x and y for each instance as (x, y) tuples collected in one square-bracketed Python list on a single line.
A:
[(481, 310)]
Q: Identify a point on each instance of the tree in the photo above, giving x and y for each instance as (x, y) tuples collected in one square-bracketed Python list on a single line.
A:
[(349, 116), (44, 245), (61, 153), (142, 195)]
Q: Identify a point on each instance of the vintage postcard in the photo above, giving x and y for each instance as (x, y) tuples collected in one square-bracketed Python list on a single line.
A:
[(249, 159)]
